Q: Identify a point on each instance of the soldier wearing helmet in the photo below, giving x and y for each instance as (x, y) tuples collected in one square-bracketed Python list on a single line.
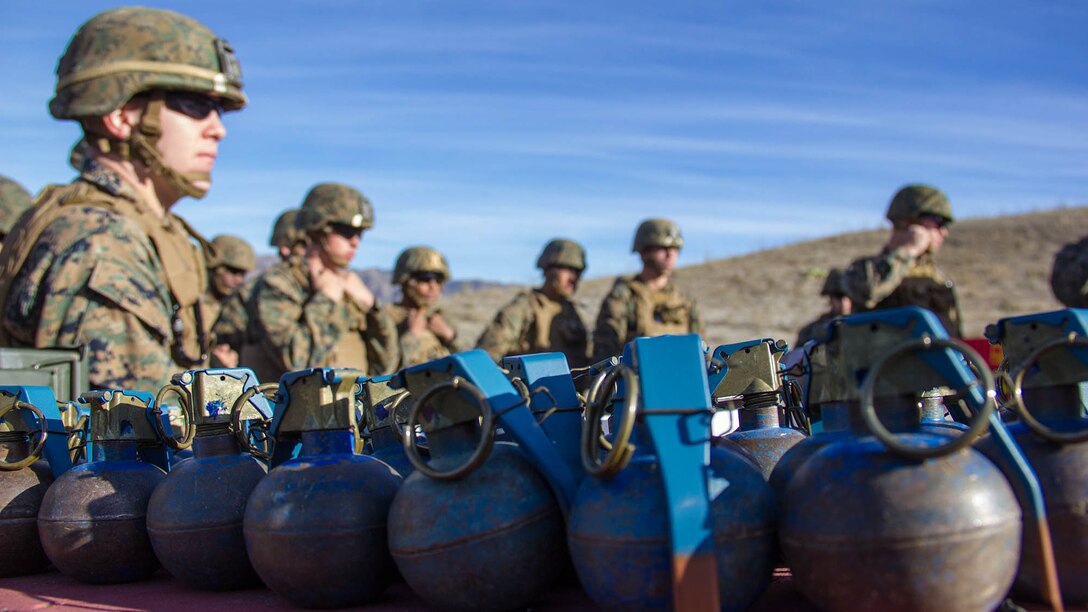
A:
[(14, 200), (422, 272), (103, 261), (231, 259), (544, 320), (648, 303), (904, 273), (312, 311), (838, 305), (1069, 274)]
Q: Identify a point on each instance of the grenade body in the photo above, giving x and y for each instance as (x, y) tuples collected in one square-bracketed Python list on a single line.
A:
[(195, 516), (492, 540), (388, 448), (93, 519), (760, 434), (21, 494), (619, 534), (315, 526), (837, 419)]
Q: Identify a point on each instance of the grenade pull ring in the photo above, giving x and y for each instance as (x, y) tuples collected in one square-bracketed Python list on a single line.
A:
[(400, 430), (10, 403), (1015, 382), (621, 449), (487, 425), (527, 397), (240, 432), (187, 409), (979, 424)]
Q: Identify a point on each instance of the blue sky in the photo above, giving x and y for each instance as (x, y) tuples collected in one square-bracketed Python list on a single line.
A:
[(486, 128)]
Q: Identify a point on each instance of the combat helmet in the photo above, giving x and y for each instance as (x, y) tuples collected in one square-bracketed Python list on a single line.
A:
[(14, 199), (833, 283), (329, 203), (562, 252), (414, 260), (233, 252), (126, 51), (913, 201), (285, 232), (657, 233)]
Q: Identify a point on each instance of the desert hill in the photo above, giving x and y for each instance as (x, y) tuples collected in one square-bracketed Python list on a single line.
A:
[(1001, 266)]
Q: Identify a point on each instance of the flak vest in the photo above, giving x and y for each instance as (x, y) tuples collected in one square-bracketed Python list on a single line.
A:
[(927, 287), (552, 328), (658, 313)]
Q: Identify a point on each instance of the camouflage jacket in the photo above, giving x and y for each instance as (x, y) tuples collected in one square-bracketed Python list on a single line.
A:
[(894, 279), (534, 323), (1069, 276), (93, 266), (292, 326), (423, 346), (631, 310), (230, 326)]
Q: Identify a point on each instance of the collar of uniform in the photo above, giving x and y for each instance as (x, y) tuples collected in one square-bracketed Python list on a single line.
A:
[(105, 179)]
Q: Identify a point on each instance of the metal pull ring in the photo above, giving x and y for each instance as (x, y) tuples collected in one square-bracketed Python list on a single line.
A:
[(600, 395), (527, 397), (979, 424), (487, 425), (399, 430), (1016, 392), (190, 421), (243, 433), (36, 452)]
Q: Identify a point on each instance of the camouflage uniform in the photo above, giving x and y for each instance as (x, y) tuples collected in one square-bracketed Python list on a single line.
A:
[(534, 323), (235, 253), (1069, 276), (424, 345), (14, 200), (631, 310)]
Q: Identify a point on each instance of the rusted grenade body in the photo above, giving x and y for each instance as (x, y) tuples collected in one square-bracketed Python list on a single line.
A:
[(836, 426), (93, 520), (760, 434), (316, 525), (477, 527), (24, 479), (195, 516)]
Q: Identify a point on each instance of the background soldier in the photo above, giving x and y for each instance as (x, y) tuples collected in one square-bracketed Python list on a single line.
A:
[(1069, 276), (103, 262), (648, 303), (838, 305), (544, 320), (312, 311), (904, 273), (231, 260), (14, 200), (424, 333)]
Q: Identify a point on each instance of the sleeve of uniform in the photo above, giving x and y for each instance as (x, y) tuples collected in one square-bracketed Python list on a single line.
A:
[(382, 342), (613, 321), (871, 279), (502, 335), (697, 326), (297, 330), (1069, 276)]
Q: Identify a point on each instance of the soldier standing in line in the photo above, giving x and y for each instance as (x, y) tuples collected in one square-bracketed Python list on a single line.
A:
[(230, 327), (312, 311), (1069, 275), (14, 200), (103, 262), (838, 305), (544, 320), (648, 303), (232, 259), (904, 273), (424, 333)]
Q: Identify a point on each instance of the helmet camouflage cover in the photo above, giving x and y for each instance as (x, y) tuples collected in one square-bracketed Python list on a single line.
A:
[(285, 232), (913, 201), (657, 233), (329, 203), (13, 201), (562, 252), (126, 51), (833, 283), (233, 252), (418, 259)]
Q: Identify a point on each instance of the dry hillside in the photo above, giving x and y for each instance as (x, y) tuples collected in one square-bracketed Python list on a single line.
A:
[(1001, 266)]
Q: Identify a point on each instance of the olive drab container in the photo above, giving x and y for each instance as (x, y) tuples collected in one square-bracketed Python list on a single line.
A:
[(667, 519), (315, 526), (93, 520), (913, 519), (480, 525), (33, 452), (195, 516)]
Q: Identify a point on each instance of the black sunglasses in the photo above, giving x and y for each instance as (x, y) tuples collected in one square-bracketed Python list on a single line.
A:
[(345, 231), (191, 104), (426, 277), (939, 220)]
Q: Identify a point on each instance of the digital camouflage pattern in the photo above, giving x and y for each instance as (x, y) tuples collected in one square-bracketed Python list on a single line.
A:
[(562, 252), (125, 51), (14, 199), (894, 279), (422, 346), (292, 326), (230, 326), (233, 252), (1069, 275), (631, 309), (285, 233), (913, 201), (106, 273), (328, 203), (657, 233), (414, 260), (534, 323)]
